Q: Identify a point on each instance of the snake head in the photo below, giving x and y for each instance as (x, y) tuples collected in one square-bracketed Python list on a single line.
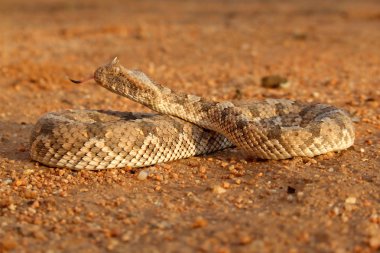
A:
[(129, 83), (104, 74)]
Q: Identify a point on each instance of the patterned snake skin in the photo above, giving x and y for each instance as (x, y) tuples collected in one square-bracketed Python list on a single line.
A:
[(188, 125)]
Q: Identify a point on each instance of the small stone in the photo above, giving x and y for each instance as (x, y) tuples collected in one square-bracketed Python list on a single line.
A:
[(350, 200), (374, 218), (8, 181), (218, 189), (374, 242), (290, 198), (112, 244), (35, 204), (237, 181), (28, 171), (199, 222), (30, 194), (224, 164), (226, 185), (143, 175), (245, 239), (126, 236), (39, 234), (12, 207), (300, 195), (275, 82), (19, 182), (158, 177), (202, 170)]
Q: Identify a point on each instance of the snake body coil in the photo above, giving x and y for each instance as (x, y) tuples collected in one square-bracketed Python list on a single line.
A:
[(188, 126)]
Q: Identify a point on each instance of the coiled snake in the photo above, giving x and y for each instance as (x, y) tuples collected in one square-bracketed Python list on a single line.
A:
[(187, 125)]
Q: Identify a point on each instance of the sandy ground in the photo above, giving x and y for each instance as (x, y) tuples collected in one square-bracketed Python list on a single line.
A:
[(221, 50)]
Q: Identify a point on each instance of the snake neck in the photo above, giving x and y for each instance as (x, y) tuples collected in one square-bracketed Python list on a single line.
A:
[(191, 108), (137, 86)]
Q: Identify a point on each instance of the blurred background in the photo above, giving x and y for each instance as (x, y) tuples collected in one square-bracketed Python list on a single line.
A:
[(322, 51)]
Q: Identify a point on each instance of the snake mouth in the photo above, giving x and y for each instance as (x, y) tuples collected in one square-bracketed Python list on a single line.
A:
[(99, 73)]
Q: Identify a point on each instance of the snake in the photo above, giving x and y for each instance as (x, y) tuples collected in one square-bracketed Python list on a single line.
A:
[(184, 125)]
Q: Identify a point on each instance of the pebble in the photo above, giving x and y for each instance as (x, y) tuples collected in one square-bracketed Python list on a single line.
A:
[(38, 234), (28, 171), (355, 119), (374, 218), (126, 236), (12, 207), (8, 181), (143, 175), (350, 200), (226, 185), (275, 82), (336, 211), (374, 242), (218, 189), (237, 181), (290, 198), (112, 244), (245, 239), (202, 170), (300, 195), (199, 222), (30, 194)]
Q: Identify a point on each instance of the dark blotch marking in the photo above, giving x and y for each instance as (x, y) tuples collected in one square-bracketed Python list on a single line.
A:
[(274, 132), (47, 128), (241, 124), (224, 114), (178, 125), (95, 129), (280, 109), (149, 128), (41, 147)]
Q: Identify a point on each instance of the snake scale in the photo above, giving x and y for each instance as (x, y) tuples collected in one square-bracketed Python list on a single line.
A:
[(186, 125)]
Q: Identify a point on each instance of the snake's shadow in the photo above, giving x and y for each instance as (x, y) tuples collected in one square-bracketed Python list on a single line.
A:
[(233, 154), (14, 140)]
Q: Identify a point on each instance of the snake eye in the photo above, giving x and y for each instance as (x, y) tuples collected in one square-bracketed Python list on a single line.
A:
[(116, 70)]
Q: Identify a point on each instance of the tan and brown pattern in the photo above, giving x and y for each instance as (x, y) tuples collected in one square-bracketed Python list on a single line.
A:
[(190, 125)]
